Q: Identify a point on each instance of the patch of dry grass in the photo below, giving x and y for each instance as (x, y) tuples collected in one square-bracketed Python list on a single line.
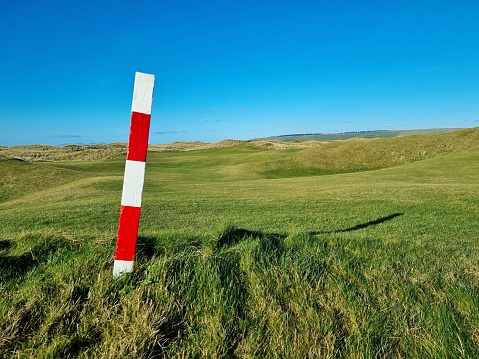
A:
[(47, 153)]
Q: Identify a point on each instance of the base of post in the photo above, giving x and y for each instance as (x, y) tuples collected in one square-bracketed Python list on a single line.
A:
[(120, 267)]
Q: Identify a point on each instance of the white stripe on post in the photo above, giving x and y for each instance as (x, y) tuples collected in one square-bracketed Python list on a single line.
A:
[(143, 93), (134, 174), (133, 183), (121, 267)]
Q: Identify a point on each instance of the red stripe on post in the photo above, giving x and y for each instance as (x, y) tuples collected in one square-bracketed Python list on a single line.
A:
[(127, 233), (138, 139)]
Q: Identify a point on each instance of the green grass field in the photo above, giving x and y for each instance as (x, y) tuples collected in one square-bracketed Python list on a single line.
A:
[(346, 249)]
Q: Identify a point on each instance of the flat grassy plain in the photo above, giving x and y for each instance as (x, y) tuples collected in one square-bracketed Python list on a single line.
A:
[(346, 249)]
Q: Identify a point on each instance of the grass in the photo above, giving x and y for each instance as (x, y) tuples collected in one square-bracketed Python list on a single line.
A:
[(241, 256)]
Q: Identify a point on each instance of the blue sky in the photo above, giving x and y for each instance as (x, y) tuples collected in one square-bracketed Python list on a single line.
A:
[(242, 70)]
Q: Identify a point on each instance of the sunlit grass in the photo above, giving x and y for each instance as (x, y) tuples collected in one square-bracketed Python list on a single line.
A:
[(232, 263)]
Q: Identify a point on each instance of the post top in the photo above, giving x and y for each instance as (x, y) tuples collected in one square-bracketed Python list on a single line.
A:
[(143, 93)]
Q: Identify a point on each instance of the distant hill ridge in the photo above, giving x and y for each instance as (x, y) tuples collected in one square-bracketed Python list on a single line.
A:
[(369, 134)]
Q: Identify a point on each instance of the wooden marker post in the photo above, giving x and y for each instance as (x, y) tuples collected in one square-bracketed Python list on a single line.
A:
[(134, 173)]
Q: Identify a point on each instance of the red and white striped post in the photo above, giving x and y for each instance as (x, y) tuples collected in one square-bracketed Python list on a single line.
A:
[(134, 174)]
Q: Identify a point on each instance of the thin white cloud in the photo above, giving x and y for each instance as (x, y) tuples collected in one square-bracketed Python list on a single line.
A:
[(66, 136), (205, 111), (167, 132)]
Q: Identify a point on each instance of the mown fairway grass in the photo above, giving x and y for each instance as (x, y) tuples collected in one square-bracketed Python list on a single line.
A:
[(249, 252)]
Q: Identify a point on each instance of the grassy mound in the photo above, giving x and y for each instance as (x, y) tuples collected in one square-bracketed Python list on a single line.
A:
[(363, 155)]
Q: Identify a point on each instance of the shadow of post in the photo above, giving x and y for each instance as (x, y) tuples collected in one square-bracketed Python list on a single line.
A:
[(16, 266), (359, 226), (233, 235), (4, 244)]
